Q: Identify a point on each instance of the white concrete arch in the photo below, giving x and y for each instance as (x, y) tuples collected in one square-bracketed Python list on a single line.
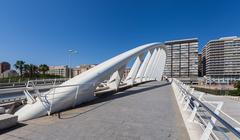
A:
[(81, 88)]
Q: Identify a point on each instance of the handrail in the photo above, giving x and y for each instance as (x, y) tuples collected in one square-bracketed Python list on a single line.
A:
[(222, 121), (234, 120), (47, 80)]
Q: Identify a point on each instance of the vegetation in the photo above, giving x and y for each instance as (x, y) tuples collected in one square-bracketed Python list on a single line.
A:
[(25, 79), (237, 85), (29, 72), (43, 68), (219, 92), (20, 66)]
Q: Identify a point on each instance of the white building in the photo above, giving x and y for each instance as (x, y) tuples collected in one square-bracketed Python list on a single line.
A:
[(222, 60)]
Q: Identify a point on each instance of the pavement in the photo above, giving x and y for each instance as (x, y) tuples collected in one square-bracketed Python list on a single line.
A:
[(145, 112)]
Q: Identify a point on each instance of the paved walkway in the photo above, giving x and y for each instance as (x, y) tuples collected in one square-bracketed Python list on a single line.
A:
[(146, 112)]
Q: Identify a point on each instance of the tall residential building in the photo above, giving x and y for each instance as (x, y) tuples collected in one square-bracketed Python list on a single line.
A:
[(203, 63), (182, 60), (4, 66), (223, 60), (200, 69), (62, 71)]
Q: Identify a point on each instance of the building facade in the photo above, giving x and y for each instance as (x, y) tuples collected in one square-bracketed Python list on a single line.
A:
[(182, 60), (8, 74), (82, 68), (203, 63), (222, 60), (62, 71), (200, 69), (4, 66)]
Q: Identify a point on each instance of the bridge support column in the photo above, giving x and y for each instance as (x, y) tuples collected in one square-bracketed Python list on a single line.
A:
[(149, 66), (155, 65), (143, 67), (158, 71), (115, 79), (133, 72)]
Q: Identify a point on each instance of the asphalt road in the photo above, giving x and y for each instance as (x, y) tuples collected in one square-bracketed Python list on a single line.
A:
[(146, 112)]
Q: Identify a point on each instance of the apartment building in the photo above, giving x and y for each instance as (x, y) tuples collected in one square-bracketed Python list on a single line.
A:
[(203, 62), (82, 68), (85, 67), (4, 66), (222, 60), (182, 60), (62, 71), (200, 69)]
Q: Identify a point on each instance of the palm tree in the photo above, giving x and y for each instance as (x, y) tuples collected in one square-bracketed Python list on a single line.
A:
[(43, 68), (26, 69), (19, 66), (32, 70)]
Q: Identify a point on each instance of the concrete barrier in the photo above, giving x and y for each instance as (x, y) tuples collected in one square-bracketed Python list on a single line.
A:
[(7, 121)]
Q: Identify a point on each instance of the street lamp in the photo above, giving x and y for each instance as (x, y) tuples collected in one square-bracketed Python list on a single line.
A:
[(70, 53)]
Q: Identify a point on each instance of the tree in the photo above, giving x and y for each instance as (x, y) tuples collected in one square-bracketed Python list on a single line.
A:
[(19, 66), (237, 85), (43, 68), (33, 69), (26, 69)]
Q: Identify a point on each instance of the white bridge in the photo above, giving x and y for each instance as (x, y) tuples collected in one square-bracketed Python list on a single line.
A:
[(161, 105), (149, 65)]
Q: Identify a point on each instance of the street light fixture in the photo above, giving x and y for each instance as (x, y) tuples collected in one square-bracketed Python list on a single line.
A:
[(70, 53)]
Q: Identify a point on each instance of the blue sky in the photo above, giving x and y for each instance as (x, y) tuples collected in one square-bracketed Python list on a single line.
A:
[(42, 31)]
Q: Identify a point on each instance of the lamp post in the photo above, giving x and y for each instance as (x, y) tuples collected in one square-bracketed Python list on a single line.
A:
[(70, 53)]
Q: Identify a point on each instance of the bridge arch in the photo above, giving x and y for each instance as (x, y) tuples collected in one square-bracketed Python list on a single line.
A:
[(148, 65)]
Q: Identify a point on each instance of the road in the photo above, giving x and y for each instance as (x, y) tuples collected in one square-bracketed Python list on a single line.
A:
[(146, 112)]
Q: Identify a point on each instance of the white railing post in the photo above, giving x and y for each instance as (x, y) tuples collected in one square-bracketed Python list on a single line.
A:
[(193, 114), (211, 123), (187, 102), (183, 97), (188, 99)]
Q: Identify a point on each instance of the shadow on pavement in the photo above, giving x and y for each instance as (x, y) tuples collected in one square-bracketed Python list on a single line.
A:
[(19, 125), (105, 99)]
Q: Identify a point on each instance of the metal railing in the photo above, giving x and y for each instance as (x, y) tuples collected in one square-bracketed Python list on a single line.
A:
[(50, 94), (185, 93), (20, 83)]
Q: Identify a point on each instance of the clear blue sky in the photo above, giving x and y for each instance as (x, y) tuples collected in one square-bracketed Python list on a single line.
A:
[(42, 31)]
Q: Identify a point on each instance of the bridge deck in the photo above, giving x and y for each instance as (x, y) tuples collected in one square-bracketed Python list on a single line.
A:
[(148, 111)]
